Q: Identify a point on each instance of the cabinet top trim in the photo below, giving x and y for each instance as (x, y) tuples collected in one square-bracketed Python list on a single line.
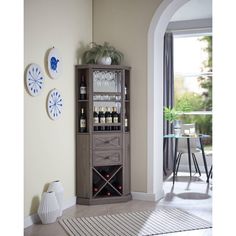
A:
[(96, 66)]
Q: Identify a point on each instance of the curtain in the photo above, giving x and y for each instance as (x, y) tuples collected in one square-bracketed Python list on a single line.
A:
[(168, 100)]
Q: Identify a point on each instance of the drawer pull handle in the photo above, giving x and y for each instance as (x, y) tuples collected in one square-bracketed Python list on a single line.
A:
[(107, 157), (107, 141)]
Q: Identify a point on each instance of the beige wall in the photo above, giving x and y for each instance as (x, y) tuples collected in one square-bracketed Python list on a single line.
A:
[(49, 146), (125, 24)]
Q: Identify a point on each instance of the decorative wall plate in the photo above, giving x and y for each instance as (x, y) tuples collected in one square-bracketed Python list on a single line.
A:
[(34, 79), (54, 63), (54, 104)]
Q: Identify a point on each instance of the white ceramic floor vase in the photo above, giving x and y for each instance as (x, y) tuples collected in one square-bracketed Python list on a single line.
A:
[(48, 210), (56, 186)]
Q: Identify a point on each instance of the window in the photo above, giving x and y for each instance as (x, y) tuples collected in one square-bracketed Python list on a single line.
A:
[(193, 80)]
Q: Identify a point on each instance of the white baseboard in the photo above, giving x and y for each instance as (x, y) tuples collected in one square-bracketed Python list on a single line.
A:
[(69, 202), (144, 196), (34, 218), (160, 194)]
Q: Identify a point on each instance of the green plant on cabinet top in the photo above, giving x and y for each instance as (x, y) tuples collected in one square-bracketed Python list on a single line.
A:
[(97, 51)]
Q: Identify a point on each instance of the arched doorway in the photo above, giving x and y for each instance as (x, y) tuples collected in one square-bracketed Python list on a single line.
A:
[(156, 33)]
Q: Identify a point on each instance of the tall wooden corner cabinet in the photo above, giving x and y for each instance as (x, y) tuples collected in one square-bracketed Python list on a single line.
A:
[(102, 138)]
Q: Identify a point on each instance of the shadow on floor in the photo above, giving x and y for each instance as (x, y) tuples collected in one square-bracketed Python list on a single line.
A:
[(187, 196), (185, 179), (193, 196)]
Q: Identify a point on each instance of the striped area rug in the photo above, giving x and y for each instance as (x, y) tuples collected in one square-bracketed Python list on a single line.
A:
[(161, 221)]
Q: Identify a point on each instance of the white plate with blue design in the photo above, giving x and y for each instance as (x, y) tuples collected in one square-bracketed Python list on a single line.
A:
[(54, 104), (54, 63), (34, 79)]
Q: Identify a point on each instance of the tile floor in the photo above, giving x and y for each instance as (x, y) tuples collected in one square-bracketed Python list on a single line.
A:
[(194, 196)]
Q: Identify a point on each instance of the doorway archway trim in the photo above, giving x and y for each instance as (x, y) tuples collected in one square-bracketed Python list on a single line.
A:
[(156, 32)]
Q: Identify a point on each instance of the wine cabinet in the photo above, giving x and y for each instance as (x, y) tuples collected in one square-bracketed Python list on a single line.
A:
[(102, 134)]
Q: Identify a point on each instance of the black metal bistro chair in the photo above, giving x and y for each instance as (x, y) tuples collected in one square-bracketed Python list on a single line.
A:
[(209, 175), (194, 147), (182, 149)]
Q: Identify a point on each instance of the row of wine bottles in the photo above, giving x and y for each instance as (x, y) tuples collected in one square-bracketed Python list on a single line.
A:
[(102, 116), (83, 90), (105, 116)]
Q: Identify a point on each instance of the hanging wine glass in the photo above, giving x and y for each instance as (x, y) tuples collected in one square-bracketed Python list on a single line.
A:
[(102, 78), (110, 81), (99, 79), (118, 107), (106, 77), (115, 81), (118, 82), (95, 80)]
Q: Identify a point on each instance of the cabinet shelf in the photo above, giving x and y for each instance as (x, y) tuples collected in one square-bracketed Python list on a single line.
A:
[(107, 93), (107, 101), (83, 100), (106, 124), (106, 131), (101, 132), (107, 97), (83, 133)]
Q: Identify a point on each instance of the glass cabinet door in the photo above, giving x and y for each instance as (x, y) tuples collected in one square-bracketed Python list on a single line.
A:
[(107, 100)]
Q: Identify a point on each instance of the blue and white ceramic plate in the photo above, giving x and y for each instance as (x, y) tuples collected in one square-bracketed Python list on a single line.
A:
[(54, 63), (34, 79), (54, 104)]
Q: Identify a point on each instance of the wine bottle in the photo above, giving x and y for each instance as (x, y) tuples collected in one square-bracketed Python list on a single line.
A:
[(82, 121), (105, 192), (126, 93), (118, 186), (102, 119), (126, 123), (105, 174), (95, 188), (115, 118), (116, 183), (83, 93), (108, 118), (95, 118)]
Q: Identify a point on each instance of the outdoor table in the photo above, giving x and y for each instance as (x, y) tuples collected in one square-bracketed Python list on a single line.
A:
[(187, 137)]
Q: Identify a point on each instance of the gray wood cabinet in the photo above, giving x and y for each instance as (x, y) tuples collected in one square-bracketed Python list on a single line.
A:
[(103, 148)]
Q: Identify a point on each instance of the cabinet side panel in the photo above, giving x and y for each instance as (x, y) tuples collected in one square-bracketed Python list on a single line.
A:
[(126, 167), (82, 166)]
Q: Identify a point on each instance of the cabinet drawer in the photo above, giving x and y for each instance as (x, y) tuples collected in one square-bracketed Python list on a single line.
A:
[(104, 158), (107, 141)]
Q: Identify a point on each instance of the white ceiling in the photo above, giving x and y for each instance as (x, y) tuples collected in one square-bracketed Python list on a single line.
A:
[(194, 9)]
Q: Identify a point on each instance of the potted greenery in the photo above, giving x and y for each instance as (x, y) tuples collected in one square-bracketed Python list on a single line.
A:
[(172, 115), (102, 54)]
